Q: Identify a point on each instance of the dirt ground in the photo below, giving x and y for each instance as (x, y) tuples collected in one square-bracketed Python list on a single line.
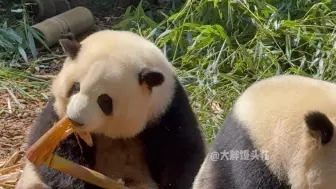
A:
[(14, 126), (15, 122)]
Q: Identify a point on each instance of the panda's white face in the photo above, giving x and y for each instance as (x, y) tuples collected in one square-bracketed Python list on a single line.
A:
[(114, 84)]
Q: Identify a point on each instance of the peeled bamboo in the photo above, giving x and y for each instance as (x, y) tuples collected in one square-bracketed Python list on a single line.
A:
[(44, 147), (83, 173), (41, 152)]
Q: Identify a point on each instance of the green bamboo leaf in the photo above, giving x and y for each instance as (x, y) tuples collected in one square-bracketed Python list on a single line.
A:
[(23, 53), (31, 44)]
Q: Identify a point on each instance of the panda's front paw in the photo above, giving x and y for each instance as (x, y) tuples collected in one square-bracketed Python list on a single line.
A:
[(32, 186)]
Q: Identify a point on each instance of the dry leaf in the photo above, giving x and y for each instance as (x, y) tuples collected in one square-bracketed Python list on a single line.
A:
[(3, 185), (2, 163), (11, 177), (11, 168), (215, 106), (13, 159)]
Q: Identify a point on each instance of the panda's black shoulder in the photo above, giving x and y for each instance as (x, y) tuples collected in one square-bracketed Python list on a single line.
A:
[(46, 119), (179, 120), (175, 141), (233, 137)]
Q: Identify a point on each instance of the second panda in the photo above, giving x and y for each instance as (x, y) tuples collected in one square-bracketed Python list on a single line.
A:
[(286, 125), (121, 88)]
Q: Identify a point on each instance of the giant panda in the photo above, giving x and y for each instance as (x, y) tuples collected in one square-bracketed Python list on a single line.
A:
[(120, 87), (286, 125)]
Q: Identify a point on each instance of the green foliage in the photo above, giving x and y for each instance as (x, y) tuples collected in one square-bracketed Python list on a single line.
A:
[(18, 45), (22, 83), (220, 47), (17, 37)]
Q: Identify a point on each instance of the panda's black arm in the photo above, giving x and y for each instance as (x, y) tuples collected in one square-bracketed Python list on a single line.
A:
[(43, 123), (174, 146), (174, 164)]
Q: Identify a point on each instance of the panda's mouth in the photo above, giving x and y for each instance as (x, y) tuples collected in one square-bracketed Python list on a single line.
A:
[(87, 126), (80, 124), (76, 123), (84, 128), (81, 127)]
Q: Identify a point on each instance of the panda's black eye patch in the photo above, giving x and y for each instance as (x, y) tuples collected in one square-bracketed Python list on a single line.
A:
[(74, 89), (105, 103)]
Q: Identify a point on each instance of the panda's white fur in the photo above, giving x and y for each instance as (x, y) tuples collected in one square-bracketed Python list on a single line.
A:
[(109, 61), (273, 113), (151, 118), (284, 101), (30, 179)]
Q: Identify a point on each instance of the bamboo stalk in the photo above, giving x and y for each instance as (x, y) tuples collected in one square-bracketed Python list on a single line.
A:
[(86, 137), (82, 172), (42, 152), (67, 133), (42, 148), (83, 135)]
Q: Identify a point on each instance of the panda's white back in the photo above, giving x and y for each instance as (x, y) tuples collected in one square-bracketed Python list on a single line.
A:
[(290, 121)]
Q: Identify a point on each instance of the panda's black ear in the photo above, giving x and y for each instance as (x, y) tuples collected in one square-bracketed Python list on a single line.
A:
[(69, 45), (151, 77), (320, 125)]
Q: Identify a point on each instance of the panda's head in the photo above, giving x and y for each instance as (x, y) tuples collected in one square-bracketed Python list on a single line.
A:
[(113, 82), (293, 119)]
